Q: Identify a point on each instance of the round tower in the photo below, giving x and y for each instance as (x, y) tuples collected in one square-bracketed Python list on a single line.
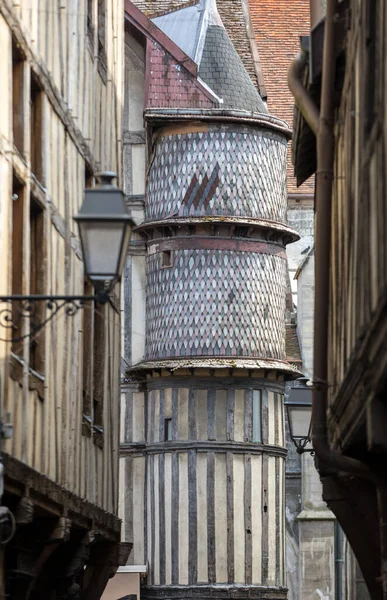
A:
[(215, 363)]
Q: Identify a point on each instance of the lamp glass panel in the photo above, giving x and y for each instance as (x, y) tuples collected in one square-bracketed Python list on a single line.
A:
[(102, 243), (300, 420)]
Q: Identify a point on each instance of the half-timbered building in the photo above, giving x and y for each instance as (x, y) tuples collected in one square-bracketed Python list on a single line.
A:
[(61, 76)]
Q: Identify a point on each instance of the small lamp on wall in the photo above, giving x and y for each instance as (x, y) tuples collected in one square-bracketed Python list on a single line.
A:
[(298, 405)]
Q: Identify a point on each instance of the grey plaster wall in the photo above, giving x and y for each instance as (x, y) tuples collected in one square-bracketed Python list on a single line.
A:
[(305, 312), (302, 220)]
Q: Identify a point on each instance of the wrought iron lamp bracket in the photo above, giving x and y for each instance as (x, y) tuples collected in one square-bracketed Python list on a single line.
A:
[(39, 310), (300, 446)]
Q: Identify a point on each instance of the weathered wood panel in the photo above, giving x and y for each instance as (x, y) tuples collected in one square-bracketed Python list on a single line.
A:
[(52, 37)]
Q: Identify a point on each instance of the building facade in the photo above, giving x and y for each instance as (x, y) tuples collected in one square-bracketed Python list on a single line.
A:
[(350, 276), (62, 79), (203, 454)]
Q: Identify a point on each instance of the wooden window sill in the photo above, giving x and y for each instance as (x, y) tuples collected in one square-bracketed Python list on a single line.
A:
[(36, 381)]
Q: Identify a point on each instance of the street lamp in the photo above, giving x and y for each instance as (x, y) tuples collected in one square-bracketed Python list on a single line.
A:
[(299, 410), (105, 229)]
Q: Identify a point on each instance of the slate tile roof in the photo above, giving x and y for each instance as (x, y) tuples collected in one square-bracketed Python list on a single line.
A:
[(222, 70), (232, 15)]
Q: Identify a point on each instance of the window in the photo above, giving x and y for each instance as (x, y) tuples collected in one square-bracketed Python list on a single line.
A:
[(98, 371), (371, 65), (89, 177), (18, 97), (18, 83), (102, 30), (89, 8), (257, 432), (167, 430), (36, 150), (166, 258), (87, 381), (18, 207), (241, 232), (37, 279)]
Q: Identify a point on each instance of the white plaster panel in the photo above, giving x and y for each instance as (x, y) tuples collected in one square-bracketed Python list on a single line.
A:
[(138, 308), (168, 403), (239, 518), (138, 169), (138, 417), (221, 517), (239, 416), (256, 518), (201, 415), (182, 416), (138, 466), (272, 521)]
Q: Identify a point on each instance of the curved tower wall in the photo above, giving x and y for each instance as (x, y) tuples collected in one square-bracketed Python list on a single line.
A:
[(206, 435)]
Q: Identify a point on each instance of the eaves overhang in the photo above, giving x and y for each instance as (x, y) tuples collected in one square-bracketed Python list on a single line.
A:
[(290, 371), (160, 116)]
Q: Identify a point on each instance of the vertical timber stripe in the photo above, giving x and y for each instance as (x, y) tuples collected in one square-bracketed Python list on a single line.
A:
[(175, 517), (152, 513), (162, 416), (211, 515), (192, 517), (211, 414), (230, 414), (278, 532), (202, 415), (265, 518), (283, 534), (282, 417), (202, 534), (230, 515), (156, 423), (168, 517), (152, 417), (129, 484), (174, 413), (265, 417), (276, 420), (128, 424), (162, 551), (248, 527), (192, 414), (156, 521), (248, 415), (147, 515), (183, 518), (256, 517)]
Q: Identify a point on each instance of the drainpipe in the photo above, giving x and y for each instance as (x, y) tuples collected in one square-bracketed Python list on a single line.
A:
[(339, 561), (328, 458)]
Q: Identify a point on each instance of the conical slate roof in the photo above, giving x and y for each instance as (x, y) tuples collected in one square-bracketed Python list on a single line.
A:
[(200, 33)]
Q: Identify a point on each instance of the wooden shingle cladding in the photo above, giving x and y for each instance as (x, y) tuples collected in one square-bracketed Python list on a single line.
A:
[(60, 123), (356, 350)]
